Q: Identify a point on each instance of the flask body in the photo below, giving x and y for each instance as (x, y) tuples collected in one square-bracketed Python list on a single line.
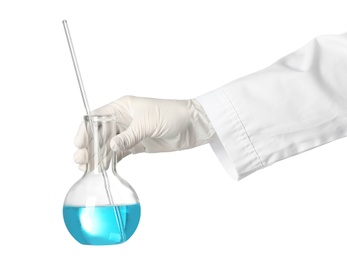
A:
[(101, 208)]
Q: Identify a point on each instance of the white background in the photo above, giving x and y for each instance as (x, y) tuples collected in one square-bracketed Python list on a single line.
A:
[(191, 208)]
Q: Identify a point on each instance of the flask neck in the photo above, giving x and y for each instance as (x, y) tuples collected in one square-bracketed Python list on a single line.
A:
[(100, 130)]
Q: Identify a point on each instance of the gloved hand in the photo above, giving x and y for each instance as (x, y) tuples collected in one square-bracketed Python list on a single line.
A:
[(150, 125)]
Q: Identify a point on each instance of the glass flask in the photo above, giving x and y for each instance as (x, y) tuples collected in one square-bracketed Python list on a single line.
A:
[(101, 208)]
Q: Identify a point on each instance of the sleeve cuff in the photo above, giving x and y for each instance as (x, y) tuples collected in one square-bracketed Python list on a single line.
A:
[(231, 144)]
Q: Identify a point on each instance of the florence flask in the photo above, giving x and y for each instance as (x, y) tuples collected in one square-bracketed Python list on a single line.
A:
[(101, 208)]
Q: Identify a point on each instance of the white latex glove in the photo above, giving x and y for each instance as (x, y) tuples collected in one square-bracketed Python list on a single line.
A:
[(150, 125)]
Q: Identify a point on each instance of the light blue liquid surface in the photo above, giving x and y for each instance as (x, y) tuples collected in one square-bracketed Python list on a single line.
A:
[(99, 225)]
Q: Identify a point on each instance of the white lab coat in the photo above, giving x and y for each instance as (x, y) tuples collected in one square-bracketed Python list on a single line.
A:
[(296, 104)]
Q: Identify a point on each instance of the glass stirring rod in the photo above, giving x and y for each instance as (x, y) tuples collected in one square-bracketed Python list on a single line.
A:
[(86, 105), (85, 102)]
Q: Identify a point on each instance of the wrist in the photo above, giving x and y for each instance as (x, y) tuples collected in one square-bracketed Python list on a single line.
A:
[(201, 124)]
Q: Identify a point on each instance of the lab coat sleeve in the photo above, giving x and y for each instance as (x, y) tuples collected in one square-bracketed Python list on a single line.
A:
[(296, 104)]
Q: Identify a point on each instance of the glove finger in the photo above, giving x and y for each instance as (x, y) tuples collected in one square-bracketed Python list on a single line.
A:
[(127, 139), (84, 136), (81, 156), (81, 138), (122, 154), (119, 156)]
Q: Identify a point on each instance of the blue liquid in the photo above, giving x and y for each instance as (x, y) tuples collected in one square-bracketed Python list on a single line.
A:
[(99, 225)]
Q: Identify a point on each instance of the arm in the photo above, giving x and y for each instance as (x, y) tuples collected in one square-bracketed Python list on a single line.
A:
[(296, 104)]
